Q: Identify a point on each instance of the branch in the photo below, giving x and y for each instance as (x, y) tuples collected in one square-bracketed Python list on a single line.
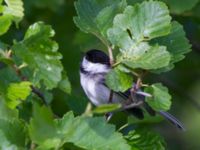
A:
[(23, 78), (133, 105), (112, 61), (123, 108), (111, 58), (138, 84), (39, 94)]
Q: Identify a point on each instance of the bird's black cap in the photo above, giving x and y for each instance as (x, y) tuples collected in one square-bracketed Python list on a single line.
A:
[(97, 56)]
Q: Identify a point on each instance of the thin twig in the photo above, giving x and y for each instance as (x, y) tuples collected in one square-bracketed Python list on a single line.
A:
[(23, 78), (124, 107), (135, 73), (144, 94), (123, 127), (39, 94), (18, 72), (111, 56), (133, 105), (128, 106), (116, 64), (134, 89), (34, 89), (138, 83)]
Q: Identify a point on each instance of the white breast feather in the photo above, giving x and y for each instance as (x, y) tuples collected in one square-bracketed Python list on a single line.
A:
[(97, 92)]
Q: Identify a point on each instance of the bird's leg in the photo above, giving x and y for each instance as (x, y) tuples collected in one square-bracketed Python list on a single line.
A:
[(110, 97), (108, 116)]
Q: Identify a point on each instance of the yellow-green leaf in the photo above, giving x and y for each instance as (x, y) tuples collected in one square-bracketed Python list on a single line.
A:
[(106, 108), (18, 92)]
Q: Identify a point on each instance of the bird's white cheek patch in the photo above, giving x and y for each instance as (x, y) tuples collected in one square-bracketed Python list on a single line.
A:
[(94, 67)]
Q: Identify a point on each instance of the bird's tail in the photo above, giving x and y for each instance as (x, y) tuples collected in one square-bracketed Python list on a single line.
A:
[(172, 119)]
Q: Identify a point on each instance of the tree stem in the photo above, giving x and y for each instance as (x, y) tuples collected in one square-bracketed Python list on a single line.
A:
[(23, 78), (139, 103), (39, 94), (111, 56)]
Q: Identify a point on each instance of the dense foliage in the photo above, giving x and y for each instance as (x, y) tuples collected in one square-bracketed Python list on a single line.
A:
[(139, 34)]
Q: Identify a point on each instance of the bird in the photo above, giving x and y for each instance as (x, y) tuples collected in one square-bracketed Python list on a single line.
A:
[(94, 67)]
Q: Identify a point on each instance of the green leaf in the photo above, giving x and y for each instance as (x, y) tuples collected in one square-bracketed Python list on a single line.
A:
[(42, 128), (118, 80), (123, 68), (97, 135), (140, 22), (5, 23), (177, 45), (96, 16), (146, 57), (143, 139), (12, 134), (161, 99), (12, 11), (65, 85), (134, 28), (50, 134), (17, 92), (7, 76), (15, 9), (39, 52), (7, 61), (106, 108), (5, 112)]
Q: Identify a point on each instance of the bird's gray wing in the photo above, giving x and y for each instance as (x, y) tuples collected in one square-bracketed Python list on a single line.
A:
[(136, 111)]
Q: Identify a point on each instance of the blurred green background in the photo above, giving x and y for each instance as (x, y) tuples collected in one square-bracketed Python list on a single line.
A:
[(183, 82)]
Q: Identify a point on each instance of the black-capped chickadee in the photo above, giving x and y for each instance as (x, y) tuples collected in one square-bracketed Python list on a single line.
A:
[(93, 69)]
